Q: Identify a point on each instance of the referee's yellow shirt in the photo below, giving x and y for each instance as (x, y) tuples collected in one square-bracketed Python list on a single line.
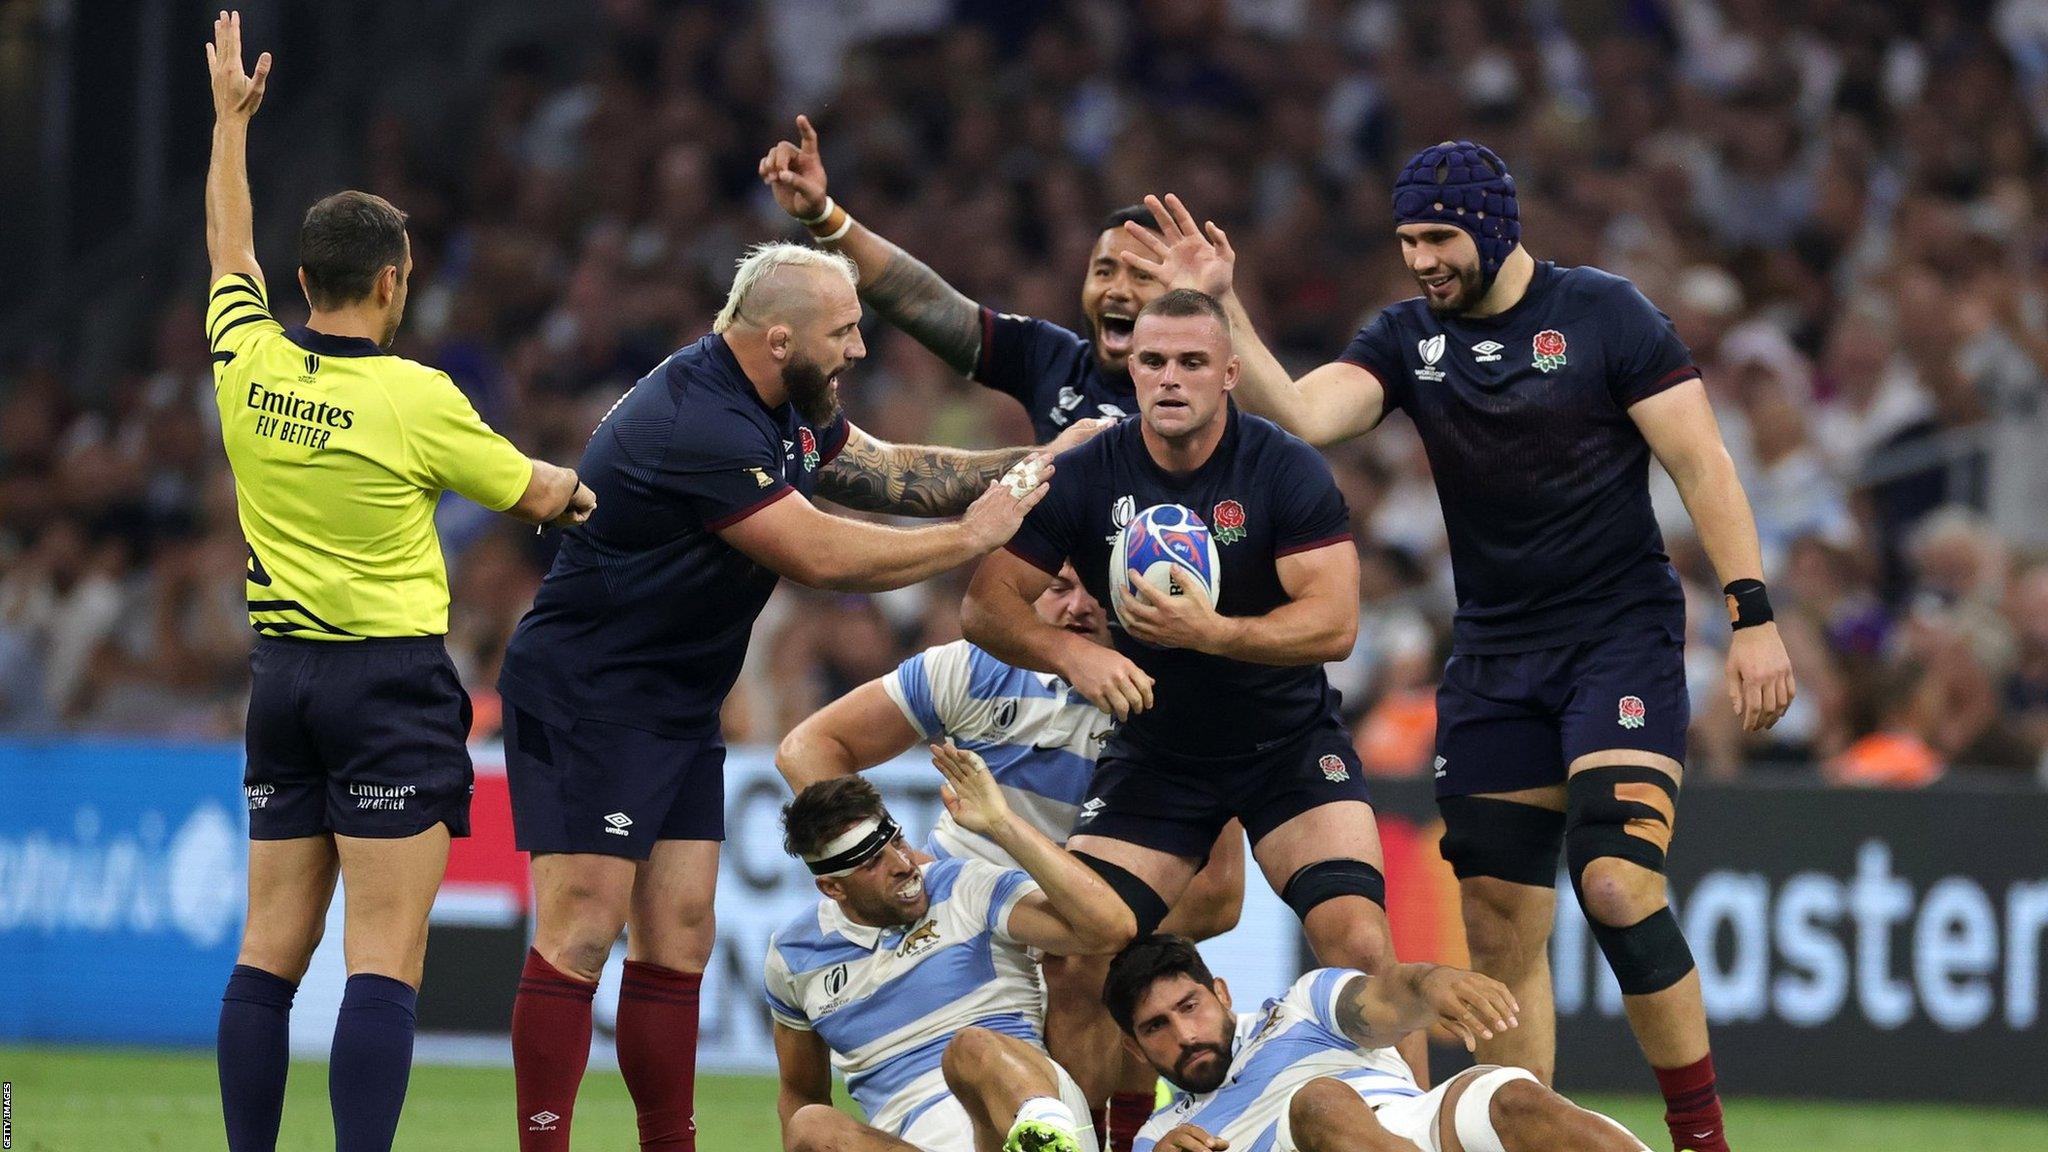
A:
[(340, 452)]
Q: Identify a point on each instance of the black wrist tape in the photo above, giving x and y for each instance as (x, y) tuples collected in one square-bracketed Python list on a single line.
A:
[(1748, 604)]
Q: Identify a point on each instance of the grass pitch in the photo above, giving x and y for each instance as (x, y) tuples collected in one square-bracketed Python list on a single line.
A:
[(99, 1100)]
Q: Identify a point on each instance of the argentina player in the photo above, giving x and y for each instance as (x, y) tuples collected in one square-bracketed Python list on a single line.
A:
[(1226, 710), (1059, 376), (1314, 1070), (1540, 394), (1041, 740), (916, 980)]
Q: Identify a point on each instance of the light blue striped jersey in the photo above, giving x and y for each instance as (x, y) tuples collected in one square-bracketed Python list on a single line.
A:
[(1290, 1041), (886, 1000), (1039, 736)]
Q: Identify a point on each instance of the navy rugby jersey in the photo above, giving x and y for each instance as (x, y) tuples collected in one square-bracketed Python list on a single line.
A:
[(644, 618), (1543, 478), (1051, 371), (1264, 495)]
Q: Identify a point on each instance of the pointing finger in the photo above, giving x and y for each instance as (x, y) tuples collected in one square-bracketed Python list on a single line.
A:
[(806, 134)]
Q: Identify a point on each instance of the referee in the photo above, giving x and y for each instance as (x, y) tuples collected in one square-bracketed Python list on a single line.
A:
[(356, 757)]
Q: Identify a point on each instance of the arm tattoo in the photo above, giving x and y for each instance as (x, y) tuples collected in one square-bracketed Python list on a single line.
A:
[(1351, 1012), (916, 299), (909, 479)]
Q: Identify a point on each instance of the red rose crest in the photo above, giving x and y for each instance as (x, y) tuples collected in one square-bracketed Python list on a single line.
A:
[(1549, 350), (809, 444), (1632, 712), (1333, 768), (1226, 521)]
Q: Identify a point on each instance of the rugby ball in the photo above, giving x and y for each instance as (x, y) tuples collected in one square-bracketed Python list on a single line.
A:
[(1157, 541)]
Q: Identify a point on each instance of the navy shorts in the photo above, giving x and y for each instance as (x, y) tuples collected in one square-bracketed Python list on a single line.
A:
[(1517, 720), (610, 789), (1179, 804), (358, 737)]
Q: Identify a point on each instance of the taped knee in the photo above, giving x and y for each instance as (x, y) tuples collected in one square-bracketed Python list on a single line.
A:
[(1324, 880), (1501, 839), (1473, 1117), (1145, 904), (1624, 811)]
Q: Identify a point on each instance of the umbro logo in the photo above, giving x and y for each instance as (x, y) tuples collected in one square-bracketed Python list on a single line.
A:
[(618, 823), (1486, 351), (1091, 809), (542, 1121), (1441, 770)]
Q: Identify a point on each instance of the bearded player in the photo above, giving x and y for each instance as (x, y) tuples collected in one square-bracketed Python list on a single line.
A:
[(1041, 738), (1225, 711), (1540, 393), (1059, 376), (1314, 1070)]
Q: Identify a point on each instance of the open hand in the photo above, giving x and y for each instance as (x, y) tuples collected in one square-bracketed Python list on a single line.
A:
[(1470, 1006), (795, 173), (1180, 254), (970, 792), (996, 514), (236, 95), (1180, 619), (1759, 676)]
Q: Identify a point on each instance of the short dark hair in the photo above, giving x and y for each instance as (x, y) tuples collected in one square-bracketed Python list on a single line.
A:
[(1129, 214), (824, 810), (1187, 302), (345, 241), (1143, 963)]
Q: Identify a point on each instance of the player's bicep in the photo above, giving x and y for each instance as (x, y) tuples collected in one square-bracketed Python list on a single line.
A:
[(1327, 574), (857, 731), (1339, 400), (804, 1064), (1679, 425)]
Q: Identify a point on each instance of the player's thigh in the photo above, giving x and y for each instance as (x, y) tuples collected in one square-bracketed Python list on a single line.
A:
[(389, 885), (392, 723), (1150, 818), (1497, 728), (671, 922), (1329, 1113), (581, 902), (1163, 872), (602, 789), (291, 883)]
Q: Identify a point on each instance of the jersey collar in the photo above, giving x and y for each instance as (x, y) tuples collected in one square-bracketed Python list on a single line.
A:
[(1224, 448), (832, 918), (320, 343)]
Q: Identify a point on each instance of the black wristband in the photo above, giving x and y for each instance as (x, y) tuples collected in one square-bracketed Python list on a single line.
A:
[(1748, 604)]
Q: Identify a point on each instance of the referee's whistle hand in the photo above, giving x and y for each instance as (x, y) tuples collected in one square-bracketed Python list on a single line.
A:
[(581, 504)]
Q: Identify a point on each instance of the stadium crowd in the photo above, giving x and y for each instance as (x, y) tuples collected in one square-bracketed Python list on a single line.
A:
[(1838, 203)]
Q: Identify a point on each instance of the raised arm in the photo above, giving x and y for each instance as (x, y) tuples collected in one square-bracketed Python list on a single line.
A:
[(898, 285), (1074, 913), (997, 615), (1679, 425), (855, 732), (230, 227), (795, 539), (1334, 402), (872, 475), (1317, 624), (1377, 1011)]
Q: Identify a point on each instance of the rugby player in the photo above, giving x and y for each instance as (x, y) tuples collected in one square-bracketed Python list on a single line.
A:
[(1225, 709), (613, 681), (1314, 1070), (1041, 739), (1057, 375), (916, 981), (357, 724), (1541, 393)]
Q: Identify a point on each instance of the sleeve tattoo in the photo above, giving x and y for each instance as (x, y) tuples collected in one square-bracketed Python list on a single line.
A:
[(1351, 1012), (917, 300), (908, 479)]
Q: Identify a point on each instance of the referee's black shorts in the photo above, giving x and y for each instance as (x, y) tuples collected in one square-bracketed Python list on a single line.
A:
[(357, 737)]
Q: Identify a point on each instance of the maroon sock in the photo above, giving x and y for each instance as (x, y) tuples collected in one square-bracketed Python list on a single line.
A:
[(1100, 1117), (1692, 1109), (550, 1048), (658, 1053), (1128, 1112)]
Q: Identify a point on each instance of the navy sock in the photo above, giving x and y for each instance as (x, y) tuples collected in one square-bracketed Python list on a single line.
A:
[(371, 1063), (254, 1053)]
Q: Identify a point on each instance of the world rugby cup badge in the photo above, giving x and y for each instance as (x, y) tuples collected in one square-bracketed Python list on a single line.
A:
[(1333, 768), (1226, 522), (1548, 350), (1632, 712)]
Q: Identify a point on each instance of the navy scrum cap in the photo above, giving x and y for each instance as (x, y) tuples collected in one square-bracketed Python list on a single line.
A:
[(1466, 185)]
